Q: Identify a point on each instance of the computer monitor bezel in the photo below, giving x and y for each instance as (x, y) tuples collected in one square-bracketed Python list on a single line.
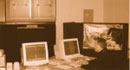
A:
[(71, 55), (35, 62)]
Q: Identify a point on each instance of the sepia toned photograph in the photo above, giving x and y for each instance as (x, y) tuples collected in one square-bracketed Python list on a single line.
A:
[(64, 35)]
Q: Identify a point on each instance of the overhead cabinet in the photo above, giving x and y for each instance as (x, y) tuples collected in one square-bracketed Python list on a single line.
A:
[(2, 10), (30, 10), (18, 9), (46, 6)]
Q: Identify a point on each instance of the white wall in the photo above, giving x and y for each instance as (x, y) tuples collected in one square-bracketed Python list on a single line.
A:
[(72, 10), (116, 11), (129, 32)]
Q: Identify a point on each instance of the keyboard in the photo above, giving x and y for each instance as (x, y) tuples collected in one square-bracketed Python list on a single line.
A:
[(64, 66), (75, 65), (37, 68), (56, 62), (69, 63)]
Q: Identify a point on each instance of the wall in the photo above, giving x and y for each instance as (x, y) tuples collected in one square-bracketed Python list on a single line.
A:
[(129, 33), (116, 11), (72, 10)]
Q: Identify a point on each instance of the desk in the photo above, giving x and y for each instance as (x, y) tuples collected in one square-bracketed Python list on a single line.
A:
[(53, 67)]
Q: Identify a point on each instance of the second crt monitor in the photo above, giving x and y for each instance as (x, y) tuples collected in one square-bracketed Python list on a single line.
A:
[(67, 49)]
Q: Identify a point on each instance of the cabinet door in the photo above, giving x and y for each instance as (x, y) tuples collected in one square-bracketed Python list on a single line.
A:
[(8, 42), (43, 10), (2, 10), (18, 9)]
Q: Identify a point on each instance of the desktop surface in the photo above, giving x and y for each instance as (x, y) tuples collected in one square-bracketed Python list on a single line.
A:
[(57, 64)]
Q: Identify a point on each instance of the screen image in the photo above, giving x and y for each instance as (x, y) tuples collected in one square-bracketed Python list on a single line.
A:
[(71, 47), (108, 35), (35, 52)]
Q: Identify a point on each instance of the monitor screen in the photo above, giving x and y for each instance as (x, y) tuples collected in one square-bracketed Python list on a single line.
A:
[(35, 53), (71, 47)]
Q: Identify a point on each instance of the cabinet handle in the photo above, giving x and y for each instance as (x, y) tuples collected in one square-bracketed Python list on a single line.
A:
[(30, 27), (13, 3), (25, 3), (49, 2)]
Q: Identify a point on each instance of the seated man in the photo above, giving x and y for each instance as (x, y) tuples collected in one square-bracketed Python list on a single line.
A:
[(101, 62)]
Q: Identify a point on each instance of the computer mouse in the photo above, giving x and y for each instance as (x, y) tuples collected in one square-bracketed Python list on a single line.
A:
[(88, 59), (46, 68), (84, 66)]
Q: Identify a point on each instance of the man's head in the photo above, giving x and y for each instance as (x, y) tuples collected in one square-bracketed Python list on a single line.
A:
[(100, 44)]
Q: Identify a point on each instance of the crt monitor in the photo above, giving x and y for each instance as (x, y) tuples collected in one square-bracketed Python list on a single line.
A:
[(67, 49), (34, 53)]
